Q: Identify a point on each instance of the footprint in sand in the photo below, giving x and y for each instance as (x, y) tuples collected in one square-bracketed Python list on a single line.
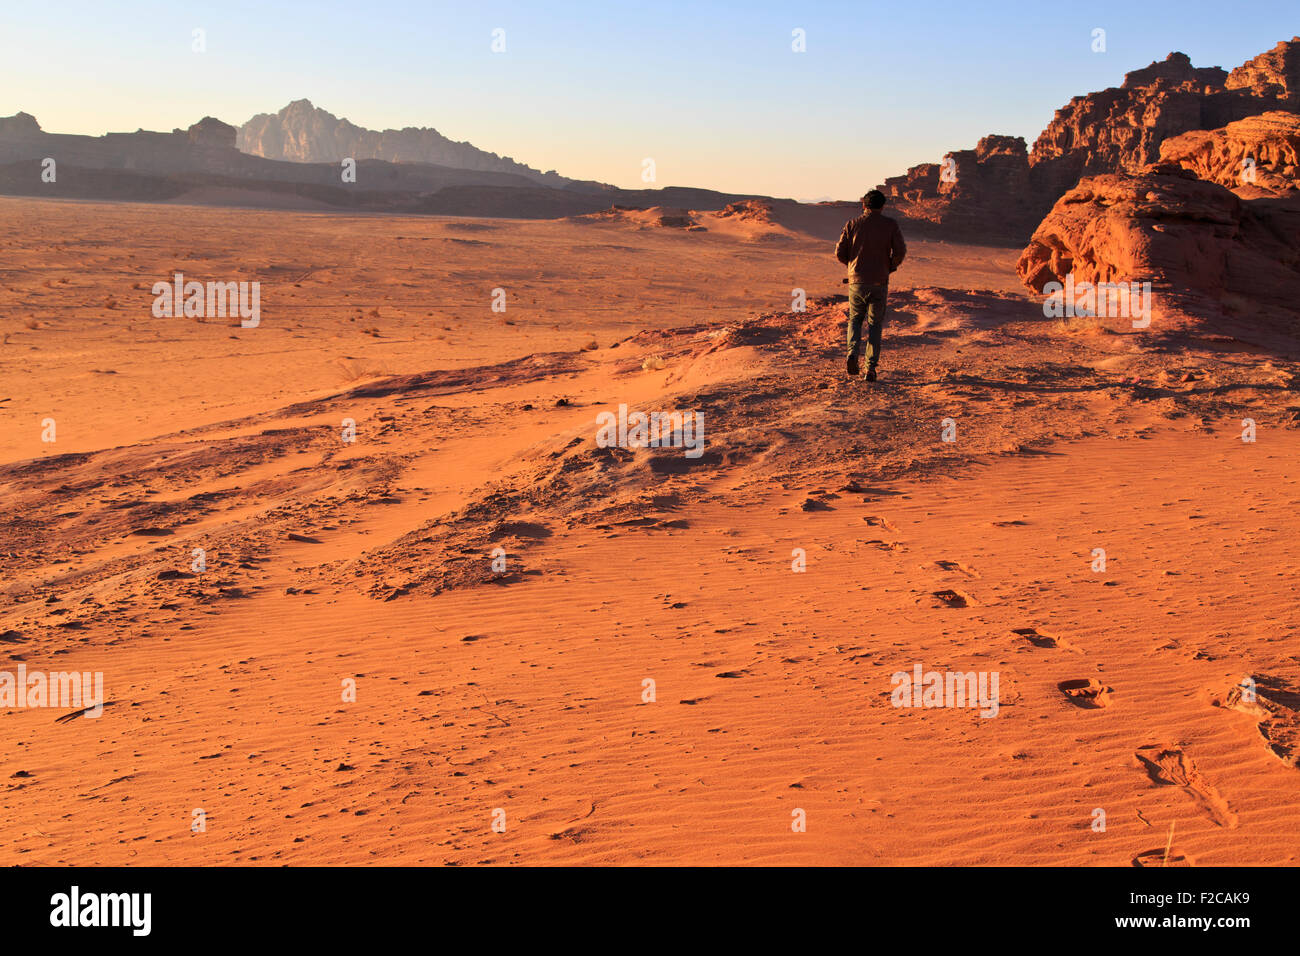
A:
[(885, 545), (1276, 705), (877, 522), (1169, 766), (1042, 639), (1088, 693), (1155, 857), (956, 566), (953, 598)]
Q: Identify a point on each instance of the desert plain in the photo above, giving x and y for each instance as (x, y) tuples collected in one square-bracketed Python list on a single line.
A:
[(472, 635)]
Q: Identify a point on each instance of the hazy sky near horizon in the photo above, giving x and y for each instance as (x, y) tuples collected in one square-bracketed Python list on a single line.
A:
[(712, 91)]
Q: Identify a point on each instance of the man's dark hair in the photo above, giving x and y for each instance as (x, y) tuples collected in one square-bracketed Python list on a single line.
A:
[(874, 199)]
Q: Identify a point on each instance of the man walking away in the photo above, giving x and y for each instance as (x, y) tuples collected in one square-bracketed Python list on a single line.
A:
[(872, 247)]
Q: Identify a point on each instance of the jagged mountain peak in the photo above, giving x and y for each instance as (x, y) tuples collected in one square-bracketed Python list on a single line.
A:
[(305, 133)]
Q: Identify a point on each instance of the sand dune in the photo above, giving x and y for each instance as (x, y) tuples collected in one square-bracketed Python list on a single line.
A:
[(754, 220)]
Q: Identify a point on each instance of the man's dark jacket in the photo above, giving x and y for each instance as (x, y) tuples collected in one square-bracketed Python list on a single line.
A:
[(872, 247)]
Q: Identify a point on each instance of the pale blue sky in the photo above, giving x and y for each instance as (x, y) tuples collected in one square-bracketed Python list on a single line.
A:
[(711, 91)]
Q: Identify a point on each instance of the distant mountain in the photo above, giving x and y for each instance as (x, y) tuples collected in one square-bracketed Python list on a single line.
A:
[(19, 126), (201, 165), (303, 133)]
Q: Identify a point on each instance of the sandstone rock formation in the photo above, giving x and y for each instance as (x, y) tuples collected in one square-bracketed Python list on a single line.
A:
[(1214, 225), (1254, 157), (303, 133), (749, 210), (1274, 73), (983, 191), (917, 184), (1199, 245), (1121, 129), (998, 191)]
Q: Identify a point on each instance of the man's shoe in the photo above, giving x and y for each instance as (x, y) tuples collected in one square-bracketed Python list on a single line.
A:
[(871, 374), (853, 365)]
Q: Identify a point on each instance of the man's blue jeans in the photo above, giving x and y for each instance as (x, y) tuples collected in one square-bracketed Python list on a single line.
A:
[(866, 301)]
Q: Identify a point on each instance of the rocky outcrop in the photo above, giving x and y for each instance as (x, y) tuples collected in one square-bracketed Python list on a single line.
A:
[(303, 133), (982, 192), (1274, 74), (210, 131), (998, 191), (1121, 129), (996, 164), (1176, 70), (918, 183), (748, 210), (1196, 242), (1117, 228), (1254, 157), (19, 126)]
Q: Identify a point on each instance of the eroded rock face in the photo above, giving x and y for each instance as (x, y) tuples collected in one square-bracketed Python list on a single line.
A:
[(1273, 74), (1254, 157), (982, 191), (1190, 239), (996, 164), (919, 182), (748, 210), (1176, 69), (1121, 129), (999, 191)]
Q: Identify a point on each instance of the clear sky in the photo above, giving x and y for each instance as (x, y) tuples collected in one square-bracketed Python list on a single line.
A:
[(712, 91)]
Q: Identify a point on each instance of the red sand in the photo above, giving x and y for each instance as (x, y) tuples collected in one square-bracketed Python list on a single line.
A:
[(524, 692)]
